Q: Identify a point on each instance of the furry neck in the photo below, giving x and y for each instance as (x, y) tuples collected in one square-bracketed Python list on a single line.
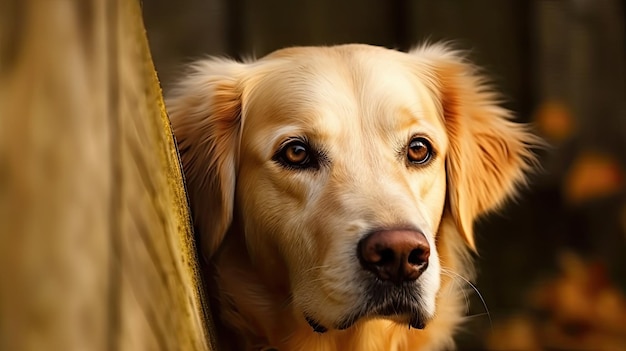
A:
[(255, 315)]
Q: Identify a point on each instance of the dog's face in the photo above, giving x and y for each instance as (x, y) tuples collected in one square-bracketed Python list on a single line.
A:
[(332, 152), (337, 166)]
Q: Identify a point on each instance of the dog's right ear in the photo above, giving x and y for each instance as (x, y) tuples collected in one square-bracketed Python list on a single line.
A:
[(205, 111)]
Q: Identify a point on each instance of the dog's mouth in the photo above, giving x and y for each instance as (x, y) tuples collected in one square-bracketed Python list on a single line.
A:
[(411, 319), (318, 328), (402, 305)]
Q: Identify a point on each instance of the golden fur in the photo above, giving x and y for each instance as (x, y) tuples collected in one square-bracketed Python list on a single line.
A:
[(280, 242)]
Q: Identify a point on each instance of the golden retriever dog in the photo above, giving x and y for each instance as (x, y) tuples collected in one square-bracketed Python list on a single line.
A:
[(334, 190)]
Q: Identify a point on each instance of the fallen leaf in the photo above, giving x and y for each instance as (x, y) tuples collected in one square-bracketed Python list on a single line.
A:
[(554, 120), (593, 176)]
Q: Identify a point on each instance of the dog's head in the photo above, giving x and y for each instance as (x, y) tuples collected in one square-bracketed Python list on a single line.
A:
[(337, 164)]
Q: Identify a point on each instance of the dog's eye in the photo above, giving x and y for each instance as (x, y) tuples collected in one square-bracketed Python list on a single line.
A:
[(419, 151), (295, 153)]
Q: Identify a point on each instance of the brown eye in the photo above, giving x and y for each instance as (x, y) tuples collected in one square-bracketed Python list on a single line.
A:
[(419, 151), (295, 153)]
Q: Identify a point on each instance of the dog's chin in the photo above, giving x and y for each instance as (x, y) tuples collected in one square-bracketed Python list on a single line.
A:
[(406, 313), (410, 320), (409, 304)]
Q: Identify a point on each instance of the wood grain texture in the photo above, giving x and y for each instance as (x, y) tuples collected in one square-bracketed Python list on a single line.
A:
[(96, 247)]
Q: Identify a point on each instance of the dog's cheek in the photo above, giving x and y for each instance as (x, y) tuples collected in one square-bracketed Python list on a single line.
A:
[(261, 229), (328, 277), (277, 237)]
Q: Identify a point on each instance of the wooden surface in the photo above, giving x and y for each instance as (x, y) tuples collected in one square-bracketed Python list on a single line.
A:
[(96, 250)]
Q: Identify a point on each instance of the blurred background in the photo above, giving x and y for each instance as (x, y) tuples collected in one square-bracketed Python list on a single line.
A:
[(552, 265)]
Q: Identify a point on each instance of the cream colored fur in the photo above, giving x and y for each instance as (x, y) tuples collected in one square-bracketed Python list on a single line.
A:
[(281, 242)]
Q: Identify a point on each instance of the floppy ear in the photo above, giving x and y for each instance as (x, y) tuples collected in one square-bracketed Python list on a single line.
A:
[(489, 154), (205, 110)]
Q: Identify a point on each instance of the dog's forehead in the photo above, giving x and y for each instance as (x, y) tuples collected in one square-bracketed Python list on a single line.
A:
[(341, 90), (360, 74)]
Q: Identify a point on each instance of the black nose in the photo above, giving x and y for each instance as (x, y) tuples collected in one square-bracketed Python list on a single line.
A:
[(395, 255)]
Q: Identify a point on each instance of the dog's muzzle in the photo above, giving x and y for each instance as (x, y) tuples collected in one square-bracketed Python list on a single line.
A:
[(394, 259)]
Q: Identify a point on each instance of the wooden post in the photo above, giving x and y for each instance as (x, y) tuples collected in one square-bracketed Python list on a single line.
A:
[(96, 249)]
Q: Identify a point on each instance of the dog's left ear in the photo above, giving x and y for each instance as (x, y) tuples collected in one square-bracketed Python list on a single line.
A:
[(489, 155), (206, 113)]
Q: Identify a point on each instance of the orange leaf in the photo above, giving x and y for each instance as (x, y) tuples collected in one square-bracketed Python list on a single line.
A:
[(593, 176), (554, 121)]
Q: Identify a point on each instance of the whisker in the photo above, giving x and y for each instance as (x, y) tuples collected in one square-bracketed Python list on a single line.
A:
[(463, 291), (477, 315), (320, 267), (480, 296)]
